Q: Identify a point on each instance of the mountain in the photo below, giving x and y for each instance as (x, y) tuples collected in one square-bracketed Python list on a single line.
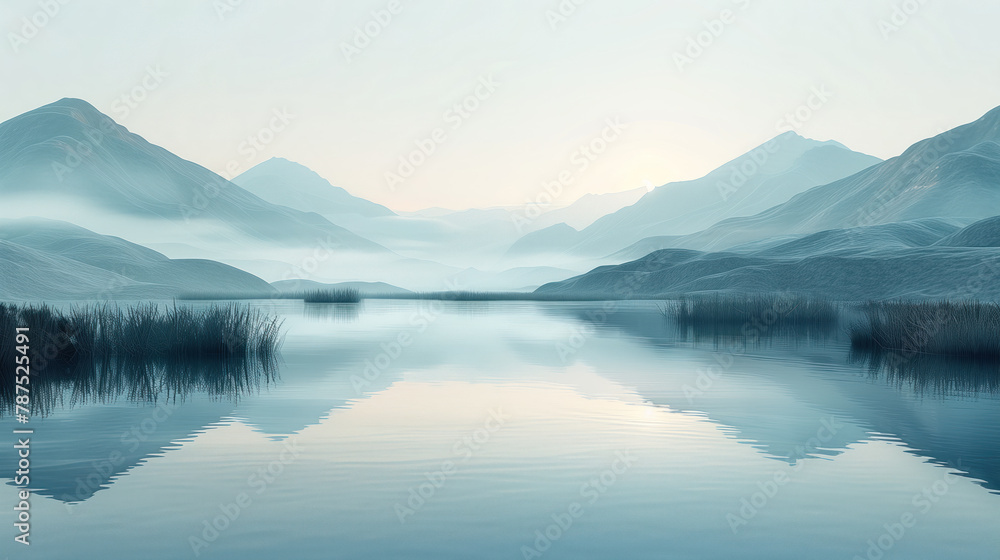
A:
[(69, 161), (889, 231), (47, 259), (642, 247), (768, 175), (954, 175), (287, 183), (557, 235), (871, 239)]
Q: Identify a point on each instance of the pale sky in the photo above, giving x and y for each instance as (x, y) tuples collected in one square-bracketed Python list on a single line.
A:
[(215, 77)]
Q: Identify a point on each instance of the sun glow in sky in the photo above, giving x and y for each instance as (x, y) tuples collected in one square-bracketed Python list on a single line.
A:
[(490, 100)]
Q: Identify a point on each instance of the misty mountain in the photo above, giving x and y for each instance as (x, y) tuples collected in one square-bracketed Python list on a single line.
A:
[(766, 176), (954, 175), (67, 160), (287, 183), (47, 259), (585, 210), (558, 235)]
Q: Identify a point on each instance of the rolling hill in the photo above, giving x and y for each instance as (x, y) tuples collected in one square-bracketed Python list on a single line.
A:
[(46, 259), (925, 272)]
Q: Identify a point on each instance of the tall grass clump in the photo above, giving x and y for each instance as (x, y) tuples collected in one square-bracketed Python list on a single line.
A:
[(466, 295), (105, 351), (753, 314), (966, 329), (342, 295)]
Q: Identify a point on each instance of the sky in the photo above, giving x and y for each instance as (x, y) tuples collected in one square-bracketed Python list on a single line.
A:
[(462, 104)]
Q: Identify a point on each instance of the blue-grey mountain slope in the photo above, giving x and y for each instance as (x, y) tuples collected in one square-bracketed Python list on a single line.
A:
[(954, 175), (900, 260), (67, 159), (912, 273), (46, 259), (764, 177), (287, 183), (984, 233), (585, 210)]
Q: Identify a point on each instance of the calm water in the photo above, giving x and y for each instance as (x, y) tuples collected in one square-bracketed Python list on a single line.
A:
[(514, 430)]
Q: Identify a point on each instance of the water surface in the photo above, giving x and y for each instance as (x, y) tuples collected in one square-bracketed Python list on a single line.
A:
[(418, 429)]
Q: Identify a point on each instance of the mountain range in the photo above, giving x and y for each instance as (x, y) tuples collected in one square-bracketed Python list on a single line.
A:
[(768, 175), (793, 212), (918, 225)]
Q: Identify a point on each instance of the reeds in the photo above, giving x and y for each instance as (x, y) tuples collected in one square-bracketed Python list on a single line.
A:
[(143, 351), (966, 329), (753, 314), (344, 295), (490, 296)]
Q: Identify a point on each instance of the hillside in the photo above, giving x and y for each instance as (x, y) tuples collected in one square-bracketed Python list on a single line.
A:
[(984, 233), (929, 272), (46, 259)]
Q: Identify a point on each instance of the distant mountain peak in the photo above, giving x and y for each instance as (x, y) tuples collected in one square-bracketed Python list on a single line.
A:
[(286, 182), (791, 136)]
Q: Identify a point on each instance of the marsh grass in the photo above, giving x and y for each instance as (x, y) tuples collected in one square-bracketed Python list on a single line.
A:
[(143, 352), (459, 295), (753, 316), (966, 329), (345, 295)]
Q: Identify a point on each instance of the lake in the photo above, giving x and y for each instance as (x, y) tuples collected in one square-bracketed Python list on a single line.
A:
[(456, 430)]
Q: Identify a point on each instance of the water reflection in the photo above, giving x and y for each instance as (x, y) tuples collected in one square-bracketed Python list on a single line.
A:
[(374, 417), (86, 381), (933, 374), (750, 335), (344, 312)]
